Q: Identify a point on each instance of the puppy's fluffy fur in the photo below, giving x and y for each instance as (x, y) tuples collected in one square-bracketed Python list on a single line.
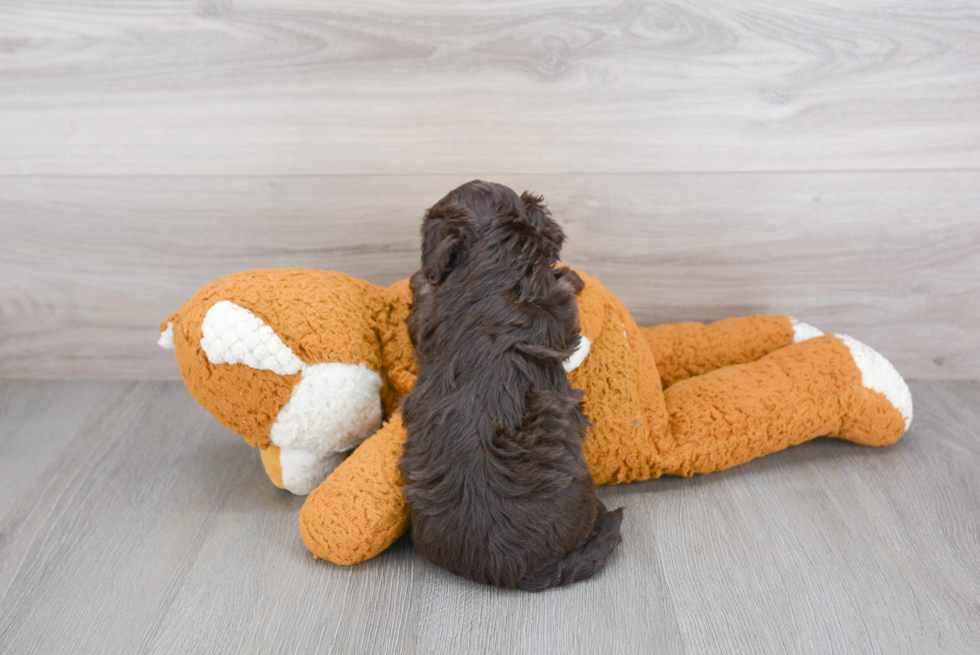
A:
[(493, 467)]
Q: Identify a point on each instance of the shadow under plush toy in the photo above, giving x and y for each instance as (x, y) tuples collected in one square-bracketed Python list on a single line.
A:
[(309, 364)]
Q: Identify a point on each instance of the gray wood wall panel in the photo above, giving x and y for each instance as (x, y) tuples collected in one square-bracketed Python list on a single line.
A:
[(141, 525), (265, 87), (91, 265), (707, 158)]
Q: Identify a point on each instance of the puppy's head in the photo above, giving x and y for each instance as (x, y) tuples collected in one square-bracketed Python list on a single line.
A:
[(535, 236), (478, 210)]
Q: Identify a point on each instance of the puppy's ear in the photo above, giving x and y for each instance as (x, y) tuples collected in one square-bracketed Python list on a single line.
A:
[(541, 236), (446, 231), (570, 279)]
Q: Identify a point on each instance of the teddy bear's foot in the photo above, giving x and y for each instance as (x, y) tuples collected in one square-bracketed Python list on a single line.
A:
[(871, 416), (879, 411), (803, 331)]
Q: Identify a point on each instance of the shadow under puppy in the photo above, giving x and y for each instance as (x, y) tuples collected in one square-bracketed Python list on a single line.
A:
[(493, 466)]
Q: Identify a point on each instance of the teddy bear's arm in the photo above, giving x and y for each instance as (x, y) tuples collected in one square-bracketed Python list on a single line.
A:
[(683, 350), (359, 510)]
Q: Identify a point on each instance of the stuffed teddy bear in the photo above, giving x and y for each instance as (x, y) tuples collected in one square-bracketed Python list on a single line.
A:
[(307, 365)]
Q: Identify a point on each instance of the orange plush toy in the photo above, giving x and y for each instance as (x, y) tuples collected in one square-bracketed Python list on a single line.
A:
[(308, 365)]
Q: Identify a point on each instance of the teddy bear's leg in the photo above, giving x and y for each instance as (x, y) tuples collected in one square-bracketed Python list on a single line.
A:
[(831, 385), (359, 510), (682, 350)]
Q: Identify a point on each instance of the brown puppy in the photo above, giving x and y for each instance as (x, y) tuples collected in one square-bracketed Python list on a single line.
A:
[(493, 466)]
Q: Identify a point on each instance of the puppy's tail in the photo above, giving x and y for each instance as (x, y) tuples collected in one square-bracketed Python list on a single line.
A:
[(582, 562)]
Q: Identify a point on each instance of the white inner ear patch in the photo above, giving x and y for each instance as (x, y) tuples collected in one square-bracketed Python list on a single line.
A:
[(878, 374), (234, 335), (166, 340), (581, 352), (803, 331)]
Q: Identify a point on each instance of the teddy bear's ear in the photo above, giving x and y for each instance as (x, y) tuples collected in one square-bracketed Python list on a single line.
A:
[(446, 231), (166, 340)]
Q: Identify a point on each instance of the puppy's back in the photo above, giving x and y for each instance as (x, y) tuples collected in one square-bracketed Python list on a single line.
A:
[(511, 507), (493, 466)]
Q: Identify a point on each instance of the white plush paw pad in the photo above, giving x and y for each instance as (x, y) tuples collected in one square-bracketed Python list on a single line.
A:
[(303, 471), (232, 334), (581, 352), (878, 374), (332, 409), (803, 331)]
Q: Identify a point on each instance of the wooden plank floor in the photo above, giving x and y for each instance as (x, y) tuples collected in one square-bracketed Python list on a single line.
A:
[(131, 522)]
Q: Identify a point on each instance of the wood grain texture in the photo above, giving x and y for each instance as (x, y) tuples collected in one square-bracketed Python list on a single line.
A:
[(148, 528), (91, 265), (261, 87)]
